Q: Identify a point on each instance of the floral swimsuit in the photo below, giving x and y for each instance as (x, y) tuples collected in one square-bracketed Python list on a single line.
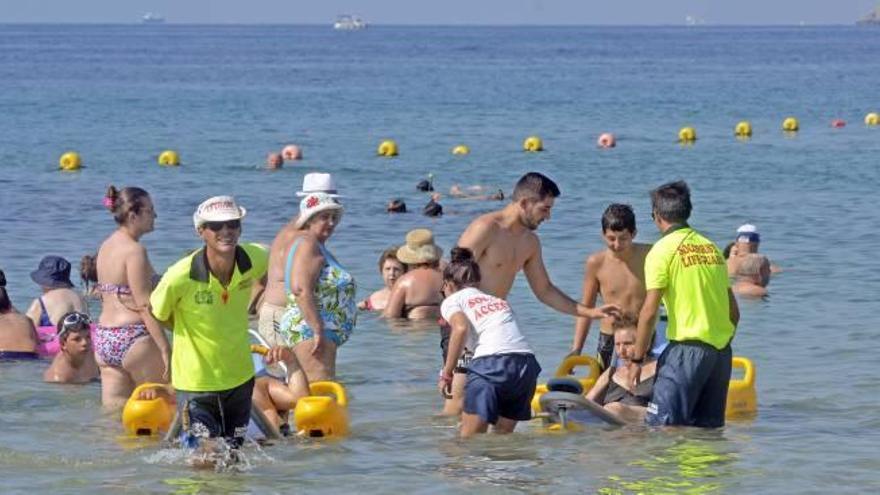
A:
[(335, 298)]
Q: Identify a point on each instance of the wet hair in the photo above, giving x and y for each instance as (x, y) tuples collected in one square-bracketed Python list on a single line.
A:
[(727, 249), (619, 217), (462, 269), (433, 209), (5, 303), (672, 202), (389, 254), (88, 270), (121, 203), (425, 185), (752, 265), (396, 206), (535, 186), (625, 321)]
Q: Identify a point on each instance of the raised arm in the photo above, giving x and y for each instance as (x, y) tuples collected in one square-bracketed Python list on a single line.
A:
[(139, 274), (550, 295), (307, 264), (588, 299)]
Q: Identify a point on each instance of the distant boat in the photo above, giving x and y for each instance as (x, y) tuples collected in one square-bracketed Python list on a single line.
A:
[(871, 18), (151, 18), (349, 23)]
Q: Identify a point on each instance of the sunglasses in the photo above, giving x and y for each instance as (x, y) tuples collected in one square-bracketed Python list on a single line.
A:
[(218, 226), (74, 321)]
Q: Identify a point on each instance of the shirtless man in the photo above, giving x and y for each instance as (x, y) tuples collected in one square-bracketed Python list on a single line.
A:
[(275, 296), (617, 273), (504, 242), (748, 240), (752, 276)]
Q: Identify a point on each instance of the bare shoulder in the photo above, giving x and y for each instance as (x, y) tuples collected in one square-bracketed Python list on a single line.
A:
[(485, 223), (594, 260)]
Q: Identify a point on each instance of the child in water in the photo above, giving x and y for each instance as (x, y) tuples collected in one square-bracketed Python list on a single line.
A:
[(502, 375)]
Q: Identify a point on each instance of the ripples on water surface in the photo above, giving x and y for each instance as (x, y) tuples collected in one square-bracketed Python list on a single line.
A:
[(224, 96)]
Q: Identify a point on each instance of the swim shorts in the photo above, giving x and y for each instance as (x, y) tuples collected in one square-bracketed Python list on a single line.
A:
[(690, 388), (501, 386), (605, 349), (223, 414)]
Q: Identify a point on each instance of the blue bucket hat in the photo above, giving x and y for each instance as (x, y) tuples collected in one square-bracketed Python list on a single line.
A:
[(53, 273)]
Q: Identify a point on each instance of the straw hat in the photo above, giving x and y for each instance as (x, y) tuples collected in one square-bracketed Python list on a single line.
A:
[(419, 248), (313, 204)]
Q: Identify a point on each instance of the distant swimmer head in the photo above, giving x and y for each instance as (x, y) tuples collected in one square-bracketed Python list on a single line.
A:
[(396, 206), (131, 206), (606, 140), (425, 185), (755, 268), (497, 195), (432, 208), (274, 161), (292, 152)]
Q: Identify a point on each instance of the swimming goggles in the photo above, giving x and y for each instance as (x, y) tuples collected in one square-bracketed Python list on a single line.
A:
[(73, 321)]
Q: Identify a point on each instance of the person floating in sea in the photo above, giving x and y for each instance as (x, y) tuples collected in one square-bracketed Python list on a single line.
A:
[(18, 337), (502, 375), (391, 269), (75, 362), (204, 298), (416, 295), (752, 276), (617, 273), (504, 242), (688, 273), (476, 192)]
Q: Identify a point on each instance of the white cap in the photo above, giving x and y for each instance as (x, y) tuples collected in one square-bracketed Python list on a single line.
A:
[(747, 228), (217, 209), (318, 183)]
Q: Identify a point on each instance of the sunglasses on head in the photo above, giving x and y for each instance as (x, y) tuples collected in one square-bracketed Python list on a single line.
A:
[(74, 321), (218, 226)]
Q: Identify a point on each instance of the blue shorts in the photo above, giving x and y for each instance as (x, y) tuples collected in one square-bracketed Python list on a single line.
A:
[(501, 385), (223, 414), (691, 386)]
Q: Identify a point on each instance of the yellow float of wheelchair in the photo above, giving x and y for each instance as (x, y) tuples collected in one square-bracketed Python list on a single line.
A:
[(742, 398), (146, 417), (324, 413)]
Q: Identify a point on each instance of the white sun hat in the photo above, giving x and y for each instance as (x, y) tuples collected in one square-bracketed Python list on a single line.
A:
[(218, 209), (313, 204), (318, 183)]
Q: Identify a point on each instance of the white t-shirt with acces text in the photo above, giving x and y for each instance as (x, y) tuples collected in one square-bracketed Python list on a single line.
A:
[(491, 319)]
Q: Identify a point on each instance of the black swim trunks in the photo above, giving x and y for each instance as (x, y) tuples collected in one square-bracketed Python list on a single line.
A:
[(223, 414)]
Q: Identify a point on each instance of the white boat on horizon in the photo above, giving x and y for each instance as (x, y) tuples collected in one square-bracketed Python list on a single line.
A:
[(349, 23), (151, 18)]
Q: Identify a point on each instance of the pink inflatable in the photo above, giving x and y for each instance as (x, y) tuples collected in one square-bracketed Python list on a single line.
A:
[(606, 140), (292, 152), (49, 346), (838, 123)]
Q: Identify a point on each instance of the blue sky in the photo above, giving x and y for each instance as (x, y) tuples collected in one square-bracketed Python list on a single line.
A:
[(443, 12)]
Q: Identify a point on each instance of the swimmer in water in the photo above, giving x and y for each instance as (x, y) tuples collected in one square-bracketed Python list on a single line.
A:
[(416, 295), (75, 363), (752, 276), (18, 337), (476, 192), (274, 161), (391, 269)]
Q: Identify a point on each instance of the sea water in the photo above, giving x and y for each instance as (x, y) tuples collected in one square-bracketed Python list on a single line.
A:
[(224, 96)]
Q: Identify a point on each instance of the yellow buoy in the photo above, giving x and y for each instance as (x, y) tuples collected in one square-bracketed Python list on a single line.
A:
[(70, 161), (872, 118), (169, 158), (790, 125), (533, 144), (146, 417), (687, 135), (743, 129), (324, 413), (742, 399), (387, 148), (461, 150)]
